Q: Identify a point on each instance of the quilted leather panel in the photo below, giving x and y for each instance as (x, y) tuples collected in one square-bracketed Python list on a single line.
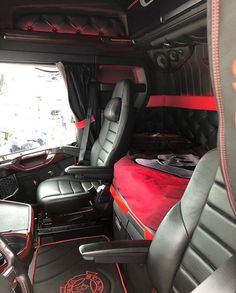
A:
[(198, 126), (72, 24), (212, 243)]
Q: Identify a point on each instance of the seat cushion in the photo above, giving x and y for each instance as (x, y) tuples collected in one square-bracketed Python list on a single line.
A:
[(149, 193), (64, 193)]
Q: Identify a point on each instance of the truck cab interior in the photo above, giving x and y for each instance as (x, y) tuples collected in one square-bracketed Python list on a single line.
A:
[(117, 146)]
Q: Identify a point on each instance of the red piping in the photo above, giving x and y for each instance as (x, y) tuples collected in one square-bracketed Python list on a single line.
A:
[(69, 240), (121, 278), (186, 102), (132, 4), (121, 40), (218, 91)]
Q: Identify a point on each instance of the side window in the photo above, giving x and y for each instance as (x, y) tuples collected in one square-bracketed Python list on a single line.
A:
[(34, 109)]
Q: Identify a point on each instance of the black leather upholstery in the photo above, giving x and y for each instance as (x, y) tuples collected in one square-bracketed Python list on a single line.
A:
[(193, 78), (112, 110), (223, 64), (68, 193), (197, 235), (60, 194), (114, 137), (72, 24), (198, 126)]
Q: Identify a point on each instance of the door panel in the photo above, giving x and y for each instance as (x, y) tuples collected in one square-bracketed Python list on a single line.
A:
[(36, 161), (20, 177)]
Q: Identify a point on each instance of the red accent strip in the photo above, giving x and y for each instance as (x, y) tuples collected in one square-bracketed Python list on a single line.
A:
[(121, 278), (148, 235), (186, 102), (132, 4), (121, 40), (82, 123), (118, 200), (218, 90)]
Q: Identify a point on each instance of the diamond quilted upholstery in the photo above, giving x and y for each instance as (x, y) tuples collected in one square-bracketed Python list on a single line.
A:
[(198, 126), (72, 24)]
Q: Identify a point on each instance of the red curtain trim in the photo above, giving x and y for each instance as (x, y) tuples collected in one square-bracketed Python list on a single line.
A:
[(186, 102)]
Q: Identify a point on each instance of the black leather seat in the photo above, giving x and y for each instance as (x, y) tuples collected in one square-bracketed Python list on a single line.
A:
[(68, 193)]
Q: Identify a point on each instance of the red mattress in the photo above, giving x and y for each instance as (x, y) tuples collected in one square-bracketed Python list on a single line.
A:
[(149, 193)]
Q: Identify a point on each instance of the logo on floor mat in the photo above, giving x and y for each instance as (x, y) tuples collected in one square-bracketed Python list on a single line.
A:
[(84, 283)]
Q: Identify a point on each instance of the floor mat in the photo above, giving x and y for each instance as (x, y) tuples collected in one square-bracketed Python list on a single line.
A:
[(60, 268)]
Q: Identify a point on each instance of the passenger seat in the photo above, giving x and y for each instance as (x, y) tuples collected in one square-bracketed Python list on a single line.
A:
[(68, 193)]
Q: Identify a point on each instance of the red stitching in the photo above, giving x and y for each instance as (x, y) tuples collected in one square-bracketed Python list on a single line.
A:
[(218, 91)]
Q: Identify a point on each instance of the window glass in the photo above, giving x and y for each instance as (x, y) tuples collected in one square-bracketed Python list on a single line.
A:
[(34, 109)]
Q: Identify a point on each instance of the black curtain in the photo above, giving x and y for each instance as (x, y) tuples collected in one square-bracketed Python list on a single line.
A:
[(78, 80)]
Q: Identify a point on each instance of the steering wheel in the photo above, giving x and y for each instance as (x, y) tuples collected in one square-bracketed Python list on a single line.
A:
[(15, 272)]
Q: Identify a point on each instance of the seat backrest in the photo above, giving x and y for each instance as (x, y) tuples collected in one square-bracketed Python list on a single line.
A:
[(197, 235), (114, 137)]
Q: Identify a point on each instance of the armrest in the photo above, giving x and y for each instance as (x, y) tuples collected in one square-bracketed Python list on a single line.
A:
[(70, 150), (130, 251), (90, 172)]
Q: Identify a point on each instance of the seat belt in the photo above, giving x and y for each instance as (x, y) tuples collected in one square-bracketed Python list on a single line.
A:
[(85, 136), (223, 280)]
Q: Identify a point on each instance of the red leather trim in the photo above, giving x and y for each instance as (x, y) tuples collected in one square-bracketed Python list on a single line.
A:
[(148, 235), (111, 74), (82, 123), (218, 91), (186, 102), (68, 240), (118, 200)]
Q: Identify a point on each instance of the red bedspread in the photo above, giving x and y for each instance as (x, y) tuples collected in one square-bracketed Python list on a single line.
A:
[(150, 194)]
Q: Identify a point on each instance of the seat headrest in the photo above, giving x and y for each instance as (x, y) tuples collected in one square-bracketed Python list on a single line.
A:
[(112, 110)]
